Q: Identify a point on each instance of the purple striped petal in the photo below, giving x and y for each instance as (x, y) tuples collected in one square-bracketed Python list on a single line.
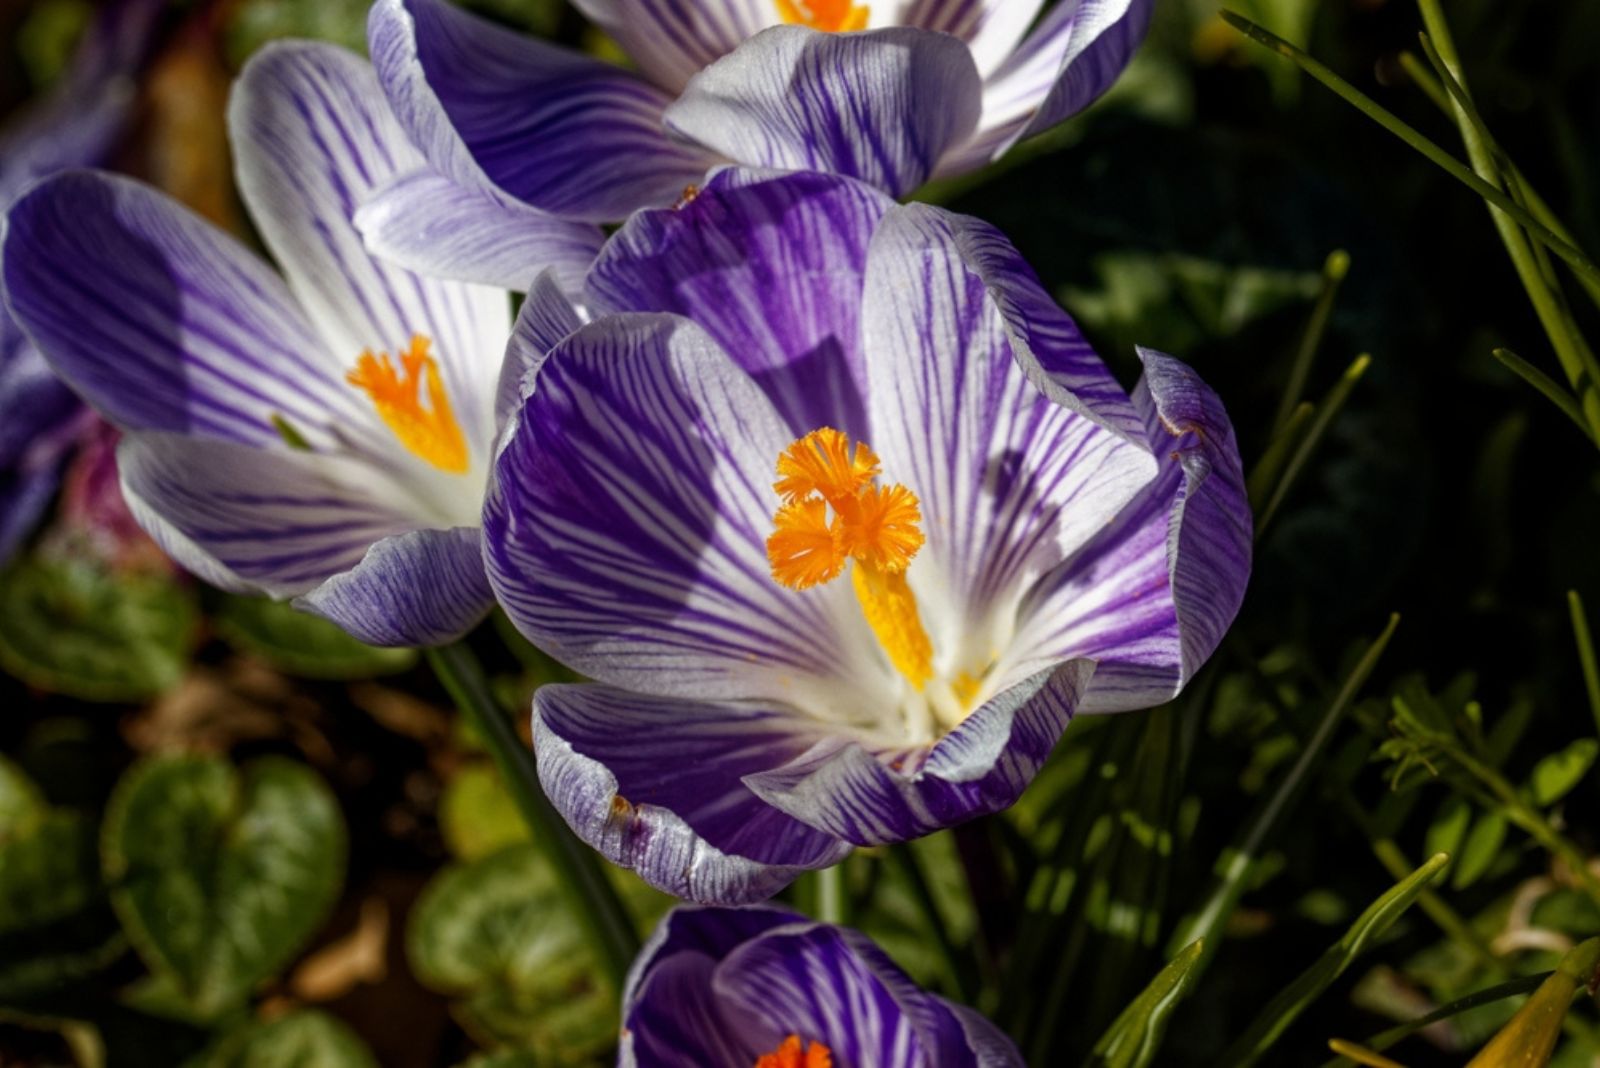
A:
[(879, 105), (161, 321), (1011, 479), (40, 421), (554, 129), (314, 139), (627, 520), (1152, 597), (835, 986), (425, 587), (428, 223), (617, 766), (671, 40), (544, 321), (677, 1021), (758, 975), (251, 520), (772, 268), (980, 767), (1070, 59), (991, 28)]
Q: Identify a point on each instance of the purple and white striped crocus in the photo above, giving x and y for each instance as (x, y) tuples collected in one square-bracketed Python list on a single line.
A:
[(516, 128), (323, 435), (1024, 540), (767, 988)]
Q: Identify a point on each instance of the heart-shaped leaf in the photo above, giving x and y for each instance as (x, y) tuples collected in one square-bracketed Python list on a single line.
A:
[(76, 628), (303, 1039), (305, 645), (219, 874), (493, 933)]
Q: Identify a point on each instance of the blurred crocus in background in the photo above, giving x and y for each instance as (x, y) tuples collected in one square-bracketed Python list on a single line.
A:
[(79, 124), (323, 436), (975, 532), (516, 129), (731, 988)]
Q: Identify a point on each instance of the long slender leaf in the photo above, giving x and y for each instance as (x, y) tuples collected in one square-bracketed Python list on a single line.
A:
[(1326, 411), (1546, 385), (1586, 656), (1207, 924), (1134, 1038), (1369, 926), (1452, 166), (1334, 268)]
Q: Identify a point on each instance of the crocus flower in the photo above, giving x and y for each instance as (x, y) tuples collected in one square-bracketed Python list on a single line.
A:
[(324, 435), (764, 987), (77, 124), (514, 127), (847, 521)]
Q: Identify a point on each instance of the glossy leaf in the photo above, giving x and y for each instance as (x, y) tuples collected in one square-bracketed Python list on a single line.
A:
[(72, 627), (1555, 776), (302, 1039), (493, 934), (221, 875)]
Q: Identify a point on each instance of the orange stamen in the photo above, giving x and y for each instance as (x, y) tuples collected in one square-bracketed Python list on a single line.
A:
[(429, 432), (834, 16), (879, 527), (789, 1055)]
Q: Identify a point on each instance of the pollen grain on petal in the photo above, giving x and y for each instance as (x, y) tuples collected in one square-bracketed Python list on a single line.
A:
[(804, 549), (823, 463), (886, 530), (429, 431)]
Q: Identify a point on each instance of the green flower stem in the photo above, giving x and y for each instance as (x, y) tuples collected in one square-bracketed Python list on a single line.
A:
[(1586, 657), (582, 877), (833, 904), (1576, 359)]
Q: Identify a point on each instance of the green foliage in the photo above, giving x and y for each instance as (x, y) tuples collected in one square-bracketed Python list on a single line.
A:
[(494, 935), (1559, 773), (220, 875), (1135, 1037), (71, 626), (297, 643), (302, 1039), (477, 815), (1372, 924)]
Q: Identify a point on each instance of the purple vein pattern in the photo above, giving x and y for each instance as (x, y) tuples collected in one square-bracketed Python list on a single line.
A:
[(717, 988), (532, 133), (248, 455), (1085, 548)]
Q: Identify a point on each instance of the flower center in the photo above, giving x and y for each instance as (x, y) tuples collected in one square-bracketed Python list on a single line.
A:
[(788, 1055), (835, 16), (833, 513), (429, 432)]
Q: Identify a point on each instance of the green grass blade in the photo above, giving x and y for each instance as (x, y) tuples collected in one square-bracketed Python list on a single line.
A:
[(1369, 926), (1487, 996), (1334, 269), (1134, 1038), (1206, 925), (1586, 657), (1325, 413), (1546, 385), (1268, 471), (1579, 262)]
